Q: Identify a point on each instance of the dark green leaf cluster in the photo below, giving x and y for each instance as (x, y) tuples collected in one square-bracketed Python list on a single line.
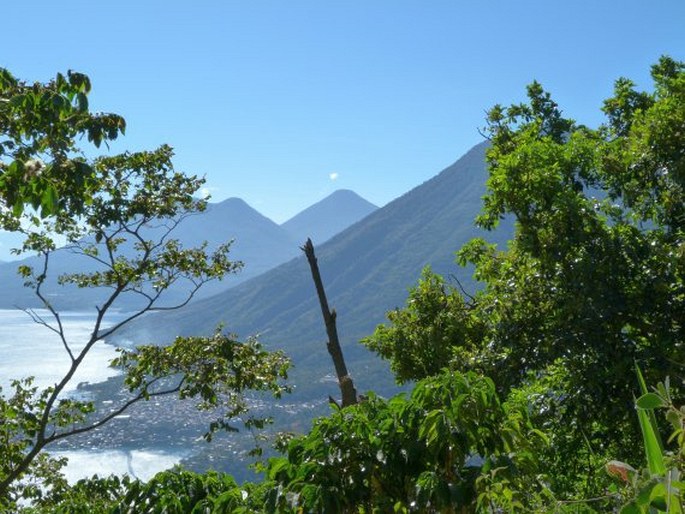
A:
[(442, 449), (40, 163), (185, 492), (170, 492)]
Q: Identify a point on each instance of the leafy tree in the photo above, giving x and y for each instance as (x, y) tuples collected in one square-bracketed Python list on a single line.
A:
[(119, 212), (451, 446), (593, 280), (436, 327)]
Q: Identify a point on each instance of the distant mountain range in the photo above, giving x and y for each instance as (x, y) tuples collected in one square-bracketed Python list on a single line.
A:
[(367, 270), (259, 243)]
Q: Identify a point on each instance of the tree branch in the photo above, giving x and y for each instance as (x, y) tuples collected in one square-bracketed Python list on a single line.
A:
[(349, 394), (117, 412)]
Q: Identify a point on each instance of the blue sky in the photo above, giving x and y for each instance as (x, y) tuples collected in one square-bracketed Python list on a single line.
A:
[(272, 99)]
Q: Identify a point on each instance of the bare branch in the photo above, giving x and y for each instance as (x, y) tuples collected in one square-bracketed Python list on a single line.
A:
[(349, 394), (461, 287), (60, 328)]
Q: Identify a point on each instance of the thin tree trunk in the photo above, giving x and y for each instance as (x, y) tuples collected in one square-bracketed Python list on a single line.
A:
[(349, 394)]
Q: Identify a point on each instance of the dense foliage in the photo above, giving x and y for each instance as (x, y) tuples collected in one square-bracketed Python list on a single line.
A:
[(451, 446), (445, 448), (524, 394)]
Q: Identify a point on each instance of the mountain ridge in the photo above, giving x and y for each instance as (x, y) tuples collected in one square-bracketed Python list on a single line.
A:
[(329, 216), (259, 243)]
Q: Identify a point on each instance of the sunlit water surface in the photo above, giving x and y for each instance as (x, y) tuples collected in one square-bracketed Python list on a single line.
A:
[(30, 349)]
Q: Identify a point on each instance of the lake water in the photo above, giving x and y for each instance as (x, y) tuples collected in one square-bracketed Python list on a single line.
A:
[(27, 348)]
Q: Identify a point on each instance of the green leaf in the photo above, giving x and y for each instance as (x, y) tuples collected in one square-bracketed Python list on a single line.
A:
[(631, 508), (49, 201), (648, 492), (653, 451), (658, 495), (650, 401), (82, 102), (641, 380), (650, 413)]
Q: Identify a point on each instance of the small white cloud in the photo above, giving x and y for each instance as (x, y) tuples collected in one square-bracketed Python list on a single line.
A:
[(333, 176), (206, 192)]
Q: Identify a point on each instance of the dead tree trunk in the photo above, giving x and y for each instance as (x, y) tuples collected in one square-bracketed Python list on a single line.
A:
[(349, 394)]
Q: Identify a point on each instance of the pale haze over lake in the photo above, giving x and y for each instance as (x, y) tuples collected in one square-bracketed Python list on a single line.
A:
[(29, 349)]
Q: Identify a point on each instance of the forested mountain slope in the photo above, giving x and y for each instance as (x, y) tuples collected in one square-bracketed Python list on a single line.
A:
[(367, 270)]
